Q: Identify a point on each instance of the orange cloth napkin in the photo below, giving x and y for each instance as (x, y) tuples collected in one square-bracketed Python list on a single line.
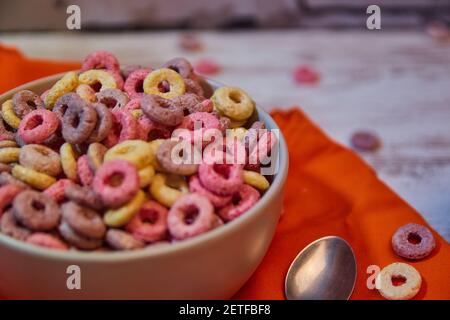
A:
[(329, 191)]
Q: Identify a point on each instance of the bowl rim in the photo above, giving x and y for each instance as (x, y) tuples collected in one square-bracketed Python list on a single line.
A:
[(276, 187)]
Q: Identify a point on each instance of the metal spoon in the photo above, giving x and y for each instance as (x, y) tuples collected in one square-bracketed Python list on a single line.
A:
[(324, 270)]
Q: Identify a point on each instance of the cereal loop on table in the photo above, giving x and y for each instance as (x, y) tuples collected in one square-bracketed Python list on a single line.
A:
[(398, 281), (65, 85), (413, 241), (155, 78)]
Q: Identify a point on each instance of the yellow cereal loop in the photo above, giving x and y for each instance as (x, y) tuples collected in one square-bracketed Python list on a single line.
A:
[(9, 115), (8, 144), (119, 217), (256, 180), (33, 178), (238, 133), (94, 76), (69, 161), (137, 113), (233, 102), (154, 78), (166, 189), (86, 93), (9, 154), (66, 84), (95, 153), (154, 145), (137, 152), (146, 176)]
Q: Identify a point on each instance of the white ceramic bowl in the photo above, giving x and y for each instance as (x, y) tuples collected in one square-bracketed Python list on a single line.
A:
[(213, 265)]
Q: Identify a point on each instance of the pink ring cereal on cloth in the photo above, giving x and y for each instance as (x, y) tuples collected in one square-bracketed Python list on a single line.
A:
[(26, 101), (121, 216), (134, 83), (62, 104), (216, 200), (398, 271), (85, 173), (103, 125), (84, 196), (233, 103), (10, 226), (93, 77), (207, 67), (7, 194), (154, 78), (36, 210), (86, 93), (116, 181), (101, 59), (46, 240), (84, 221), (181, 66), (413, 241), (78, 240), (65, 85), (38, 125), (112, 98), (222, 179), (150, 223), (32, 177), (41, 159), (166, 189), (192, 214), (161, 110), (165, 156), (242, 201), (69, 161), (57, 190), (122, 240), (78, 122)]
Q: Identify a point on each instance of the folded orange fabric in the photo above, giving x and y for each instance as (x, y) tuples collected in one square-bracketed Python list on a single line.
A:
[(329, 191)]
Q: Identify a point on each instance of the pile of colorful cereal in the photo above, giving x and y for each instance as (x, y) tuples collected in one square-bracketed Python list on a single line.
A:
[(90, 163)]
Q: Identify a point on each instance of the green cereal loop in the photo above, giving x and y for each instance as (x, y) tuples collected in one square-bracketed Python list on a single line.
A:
[(66, 84)]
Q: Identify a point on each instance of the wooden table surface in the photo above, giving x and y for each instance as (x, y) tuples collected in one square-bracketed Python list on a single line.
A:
[(395, 83)]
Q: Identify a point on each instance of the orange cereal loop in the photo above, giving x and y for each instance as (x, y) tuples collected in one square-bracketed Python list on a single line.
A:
[(154, 79), (91, 77), (66, 84)]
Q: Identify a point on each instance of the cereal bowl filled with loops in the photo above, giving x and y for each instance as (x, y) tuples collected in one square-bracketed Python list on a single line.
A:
[(155, 190)]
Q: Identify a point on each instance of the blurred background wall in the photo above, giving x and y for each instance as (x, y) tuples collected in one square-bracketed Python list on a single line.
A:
[(18, 15)]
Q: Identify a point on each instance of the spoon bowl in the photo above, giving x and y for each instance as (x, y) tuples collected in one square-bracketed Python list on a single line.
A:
[(324, 270)]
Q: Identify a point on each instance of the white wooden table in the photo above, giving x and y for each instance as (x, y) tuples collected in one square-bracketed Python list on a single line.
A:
[(396, 83)]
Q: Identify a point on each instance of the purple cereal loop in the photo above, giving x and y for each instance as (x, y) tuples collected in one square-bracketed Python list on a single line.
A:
[(194, 87), (62, 104), (191, 215), (222, 179), (161, 110), (164, 155), (10, 227), (36, 210), (84, 196), (84, 221), (26, 101), (180, 65), (242, 201), (134, 82), (103, 125), (413, 241), (112, 98), (78, 240), (78, 122)]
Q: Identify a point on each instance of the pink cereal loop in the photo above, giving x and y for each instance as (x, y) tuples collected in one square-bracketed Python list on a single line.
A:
[(150, 223), (149, 130), (85, 172), (133, 84), (38, 125), (46, 240), (101, 60), (57, 190), (133, 104), (217, 201), (245, 198), (221, 179), (125, 127)]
